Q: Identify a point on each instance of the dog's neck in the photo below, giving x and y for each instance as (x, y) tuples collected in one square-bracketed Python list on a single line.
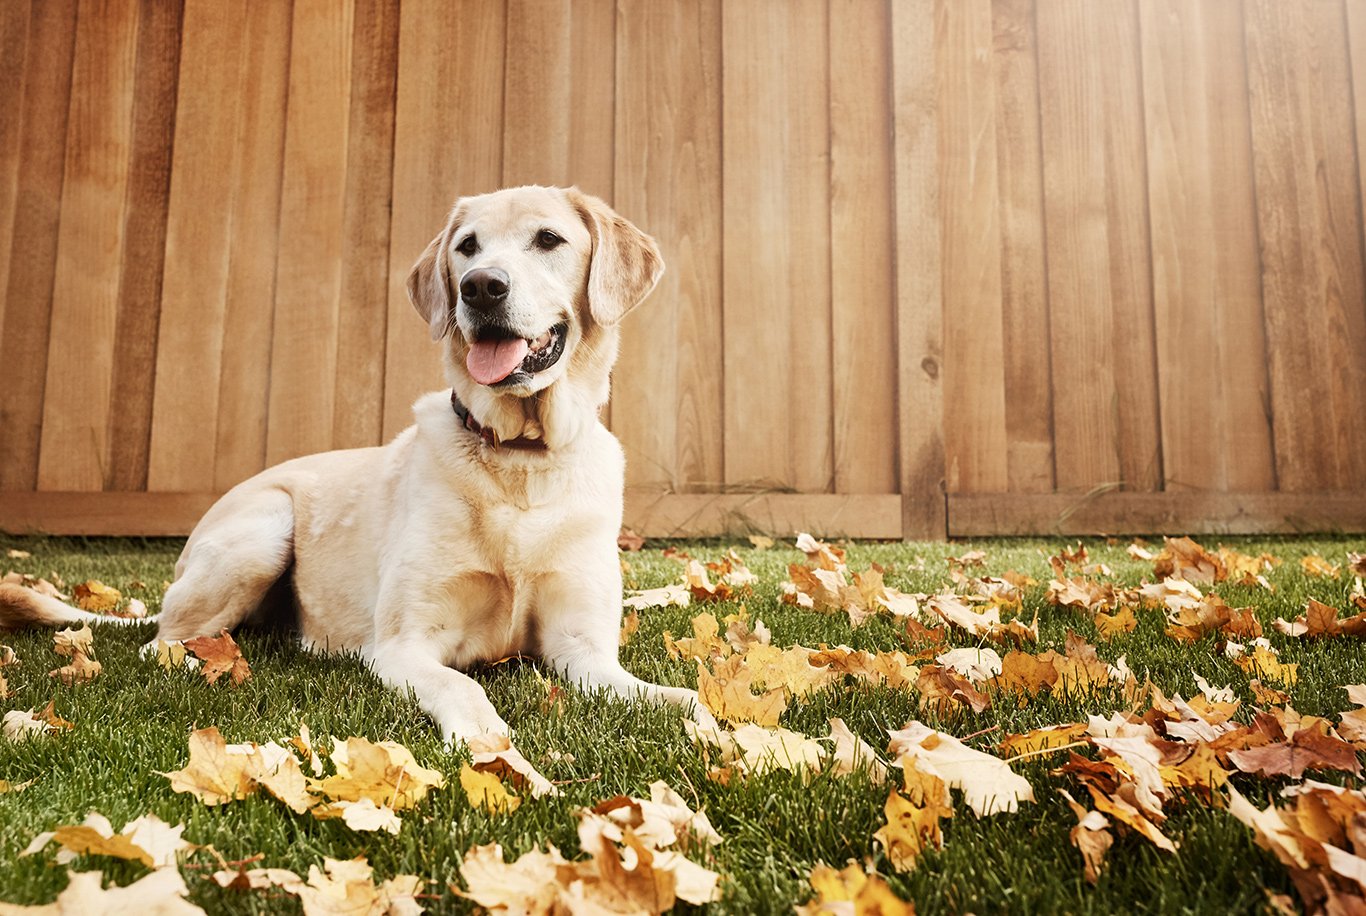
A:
[(490, 436)]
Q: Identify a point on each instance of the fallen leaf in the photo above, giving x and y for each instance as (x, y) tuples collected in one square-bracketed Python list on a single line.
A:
[(1182, 558), (1307, 749), (728, 696), (97, 597), (1108, 626), (494, 753), (161, 893), (1091, 836), (630, 541), (220, 655), (666, 596), (853, 753), (913, 819), (1317, 567), (988, 784), (384, 772), (486, 791), (851, 892)]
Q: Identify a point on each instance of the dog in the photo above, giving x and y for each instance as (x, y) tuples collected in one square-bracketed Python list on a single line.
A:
[(486, 529)]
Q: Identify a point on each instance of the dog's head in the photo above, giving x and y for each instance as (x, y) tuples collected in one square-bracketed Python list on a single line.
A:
[(526, 287)]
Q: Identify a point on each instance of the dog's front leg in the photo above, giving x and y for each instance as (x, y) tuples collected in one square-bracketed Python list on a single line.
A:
[(455, 700), (581, 644)]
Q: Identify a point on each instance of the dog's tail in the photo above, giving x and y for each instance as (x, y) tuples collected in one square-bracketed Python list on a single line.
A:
[(23, 607)]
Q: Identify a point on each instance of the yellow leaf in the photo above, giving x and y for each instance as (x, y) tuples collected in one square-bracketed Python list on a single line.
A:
[(96, 596), (1316, 566), (868, 894), (214, 775), (730, 698), (486, 791), (1108, 626), (385, 773), (913, 820)]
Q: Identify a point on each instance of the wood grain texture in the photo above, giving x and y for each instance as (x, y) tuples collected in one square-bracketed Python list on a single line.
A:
[(776, 245), (1027, 364), (1309, 217), (1211, 342), (303, 354), (1099, 274), (33, 240), (446, 143), (358, 408), (14, 25), (249, 295), (863, 314), (85, 293), (558, 99), (208, 413), (668, 163), (974, 346), (144, 244), (919, 283), (1193, 512), (778, 514)]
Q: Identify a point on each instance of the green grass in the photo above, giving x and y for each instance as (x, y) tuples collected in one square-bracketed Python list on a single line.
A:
[(132, 722)]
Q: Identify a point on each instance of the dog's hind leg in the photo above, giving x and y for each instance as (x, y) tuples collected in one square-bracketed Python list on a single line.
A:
[(229, 564)]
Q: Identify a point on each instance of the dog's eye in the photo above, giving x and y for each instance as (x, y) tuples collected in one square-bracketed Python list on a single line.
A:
[(468, 245), (547, 240)]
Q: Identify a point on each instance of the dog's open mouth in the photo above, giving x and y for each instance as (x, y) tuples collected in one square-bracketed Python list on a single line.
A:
[(498, 357)]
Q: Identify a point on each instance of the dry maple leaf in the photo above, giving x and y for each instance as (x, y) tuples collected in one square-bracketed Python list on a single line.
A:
[(851, 892), (1048, 738), (1265, 662), (1091, 836), (1320, 619), (1182, 558), (1108, 626), (494, 753), (1309, 837), (220, 655), (662, 820), (384, 772), (97, 597), (792, 669), (705, 644), (1352, 725), (941, 687), (853, 753), (666, 596), (1317, 567), (988, 784), (1307, 749), (630, 625), (147, 839), (161, 893), (486, 791), (913, 819), (215, 775), (728, 696)]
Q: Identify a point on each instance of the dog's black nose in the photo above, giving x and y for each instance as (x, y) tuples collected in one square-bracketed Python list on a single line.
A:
[(484, 287)]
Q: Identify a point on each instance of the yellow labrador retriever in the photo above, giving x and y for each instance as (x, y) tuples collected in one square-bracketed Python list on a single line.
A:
[(486, 529)]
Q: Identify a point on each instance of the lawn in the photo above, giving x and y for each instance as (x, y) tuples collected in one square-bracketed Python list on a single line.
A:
[(131, 725)]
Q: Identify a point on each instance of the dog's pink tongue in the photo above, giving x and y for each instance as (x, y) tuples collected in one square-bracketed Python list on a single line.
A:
[(491, 361)]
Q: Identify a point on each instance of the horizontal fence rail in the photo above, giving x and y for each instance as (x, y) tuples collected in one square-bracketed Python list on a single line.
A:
[(935, 267)]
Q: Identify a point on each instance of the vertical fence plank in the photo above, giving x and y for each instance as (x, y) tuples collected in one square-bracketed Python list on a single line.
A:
[(558, 98), (14, 27), (303, 354), (863, 316), (358, 409), (1099, 275), (974, 349), (776, 244), (1207, 297), (668, 180), (144, 244), (249, 298), (85, 291), (916, 31), (33, 246), (1309, 216), (446, 143), (1024, 280), (1356, 37)]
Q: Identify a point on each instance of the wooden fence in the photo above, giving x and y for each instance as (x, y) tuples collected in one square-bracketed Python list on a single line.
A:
[(935, 266)]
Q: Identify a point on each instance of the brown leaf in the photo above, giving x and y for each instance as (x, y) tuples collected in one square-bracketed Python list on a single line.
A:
[(220, 655), (1182, 558), (97, 597), (629, 540), (941, 687), (1307, 749)]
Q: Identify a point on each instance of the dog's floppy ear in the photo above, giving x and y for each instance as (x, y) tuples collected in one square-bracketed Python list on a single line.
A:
[(626, 263), (429, 282)]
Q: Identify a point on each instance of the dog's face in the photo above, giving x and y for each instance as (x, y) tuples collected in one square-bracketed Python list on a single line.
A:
[(521, 280)]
